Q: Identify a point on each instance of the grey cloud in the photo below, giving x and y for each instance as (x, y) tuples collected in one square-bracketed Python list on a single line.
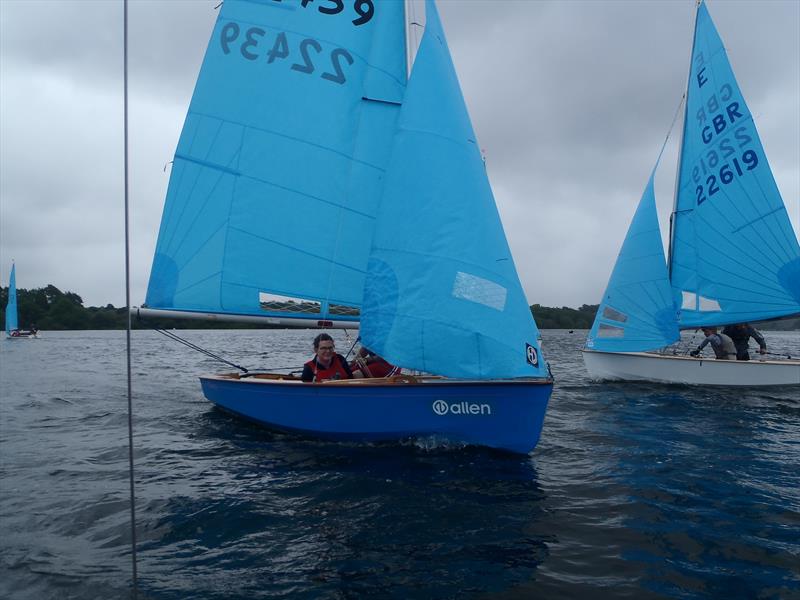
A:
[(570, 100)]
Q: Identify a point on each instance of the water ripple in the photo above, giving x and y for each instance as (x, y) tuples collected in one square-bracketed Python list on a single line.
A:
[(636, 491)]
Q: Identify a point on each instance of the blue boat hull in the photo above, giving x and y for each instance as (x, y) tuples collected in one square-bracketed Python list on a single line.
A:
[(506, 414)]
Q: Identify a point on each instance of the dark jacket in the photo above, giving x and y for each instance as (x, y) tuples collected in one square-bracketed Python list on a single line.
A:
[(741, 334)]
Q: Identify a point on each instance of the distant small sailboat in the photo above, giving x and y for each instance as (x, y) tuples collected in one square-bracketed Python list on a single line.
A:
[(13, 332), (733, 255), (317, 183)]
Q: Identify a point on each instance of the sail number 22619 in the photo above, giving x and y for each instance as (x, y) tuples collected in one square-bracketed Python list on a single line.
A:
[(727, 173)]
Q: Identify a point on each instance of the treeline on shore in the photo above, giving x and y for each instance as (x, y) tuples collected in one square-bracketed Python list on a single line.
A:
[(49, 308)]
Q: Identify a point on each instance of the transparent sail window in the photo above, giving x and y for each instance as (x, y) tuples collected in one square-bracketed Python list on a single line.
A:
[(614, 315), (343, 310), (689, 301), (709, 304), (610, 331), (479, 290), (287, 304)]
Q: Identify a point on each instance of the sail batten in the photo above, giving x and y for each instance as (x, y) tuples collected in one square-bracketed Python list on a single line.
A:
[(760, 218), (209, 164), (347, 156)]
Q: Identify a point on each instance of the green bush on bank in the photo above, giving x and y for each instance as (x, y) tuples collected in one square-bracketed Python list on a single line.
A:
[(49, 308)]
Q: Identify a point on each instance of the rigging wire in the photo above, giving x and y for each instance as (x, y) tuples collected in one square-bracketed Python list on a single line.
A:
[(245, 372), (358, 339), (135, 578), (193, 346), (691, 344)]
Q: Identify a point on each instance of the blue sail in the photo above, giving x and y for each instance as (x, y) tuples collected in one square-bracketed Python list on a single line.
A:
[(11, 305), (734, 254), (637, 312), (442, 293), (280, 165)]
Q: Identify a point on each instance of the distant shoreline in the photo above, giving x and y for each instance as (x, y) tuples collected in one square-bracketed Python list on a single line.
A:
[(50, 309)]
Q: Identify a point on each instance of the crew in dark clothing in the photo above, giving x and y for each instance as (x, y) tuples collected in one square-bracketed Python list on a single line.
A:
[(326, 364), (741, 334)]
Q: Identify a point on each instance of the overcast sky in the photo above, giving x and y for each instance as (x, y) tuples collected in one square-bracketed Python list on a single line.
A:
[(571, 101)]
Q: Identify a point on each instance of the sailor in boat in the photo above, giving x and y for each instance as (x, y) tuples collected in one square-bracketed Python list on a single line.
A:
[(741, 334), (721, 344), (327, 364), (372, 365)]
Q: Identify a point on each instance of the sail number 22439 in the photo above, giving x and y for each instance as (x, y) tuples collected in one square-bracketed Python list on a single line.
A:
[(365, 9), (253, 46)]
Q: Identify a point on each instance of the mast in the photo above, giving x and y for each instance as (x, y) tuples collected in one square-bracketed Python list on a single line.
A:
[(674, 213), (415, 25)]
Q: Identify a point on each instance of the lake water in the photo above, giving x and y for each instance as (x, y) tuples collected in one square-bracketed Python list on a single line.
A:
[(635, 491)]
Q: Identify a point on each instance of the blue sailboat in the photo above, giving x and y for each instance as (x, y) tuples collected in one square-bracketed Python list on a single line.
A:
[(733, 255), (13, 332), (328, 175)]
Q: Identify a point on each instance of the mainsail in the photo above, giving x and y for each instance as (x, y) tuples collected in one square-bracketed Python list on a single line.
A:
[(637, 312), (280, 165), (734, 255), (11, 305), (442, 293)]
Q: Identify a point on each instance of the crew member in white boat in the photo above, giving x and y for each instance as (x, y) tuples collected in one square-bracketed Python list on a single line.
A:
[(721, 344), (741, 334), (327, 364)]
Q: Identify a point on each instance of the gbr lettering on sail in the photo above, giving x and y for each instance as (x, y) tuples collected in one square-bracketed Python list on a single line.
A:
[(727, 151)]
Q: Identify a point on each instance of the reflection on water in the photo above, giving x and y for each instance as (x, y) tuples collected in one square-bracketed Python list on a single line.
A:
[(642, 491)]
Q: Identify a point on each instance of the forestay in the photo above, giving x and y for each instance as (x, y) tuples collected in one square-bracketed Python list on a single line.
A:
[(273, 192), (442, 292), (734, 254)]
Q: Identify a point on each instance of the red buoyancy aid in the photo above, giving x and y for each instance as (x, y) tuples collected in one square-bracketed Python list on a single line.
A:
[(331, 372)]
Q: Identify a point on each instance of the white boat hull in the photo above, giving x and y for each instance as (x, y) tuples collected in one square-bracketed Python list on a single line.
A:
[(23, 336), (644, 366)]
